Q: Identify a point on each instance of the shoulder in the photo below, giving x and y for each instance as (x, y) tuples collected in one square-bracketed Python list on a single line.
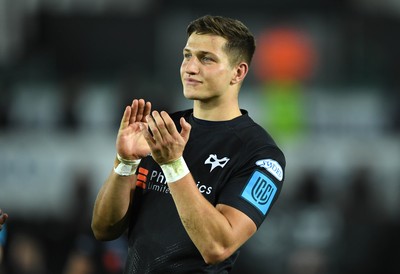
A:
[(257, 139), (251, 132)]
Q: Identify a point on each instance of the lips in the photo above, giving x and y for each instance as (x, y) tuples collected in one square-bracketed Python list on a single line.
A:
[(191, 81)]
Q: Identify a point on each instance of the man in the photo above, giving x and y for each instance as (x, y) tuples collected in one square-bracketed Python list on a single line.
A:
[(192, 187)]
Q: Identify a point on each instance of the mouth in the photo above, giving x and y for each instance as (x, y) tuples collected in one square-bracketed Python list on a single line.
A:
[(191, 81)]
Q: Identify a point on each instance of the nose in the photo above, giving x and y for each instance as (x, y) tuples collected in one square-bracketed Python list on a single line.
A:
[(191, 66)]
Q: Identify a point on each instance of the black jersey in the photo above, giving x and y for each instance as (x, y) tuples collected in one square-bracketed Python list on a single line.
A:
[(234, 162)]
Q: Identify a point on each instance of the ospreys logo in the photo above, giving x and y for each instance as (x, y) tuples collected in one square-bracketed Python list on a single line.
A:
[(214, 161)]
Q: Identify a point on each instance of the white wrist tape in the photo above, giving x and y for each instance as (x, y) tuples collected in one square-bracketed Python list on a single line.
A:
[(126, 167), (175, 170)]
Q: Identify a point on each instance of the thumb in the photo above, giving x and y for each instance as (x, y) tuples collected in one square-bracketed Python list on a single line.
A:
[(125, 118), (146, 133), (186, 127)]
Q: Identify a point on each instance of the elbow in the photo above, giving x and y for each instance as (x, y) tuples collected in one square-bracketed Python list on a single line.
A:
[(216, 255), (101, 236), (102, 233)]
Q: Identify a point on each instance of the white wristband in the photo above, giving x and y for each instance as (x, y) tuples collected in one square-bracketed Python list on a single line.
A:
[(126, 167), (126, 161), (175, 170)]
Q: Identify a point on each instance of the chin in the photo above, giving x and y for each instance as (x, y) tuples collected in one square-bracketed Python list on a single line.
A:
[(190, 95)]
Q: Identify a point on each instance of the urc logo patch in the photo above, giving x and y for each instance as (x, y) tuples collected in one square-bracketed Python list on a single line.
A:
[(260, 191)]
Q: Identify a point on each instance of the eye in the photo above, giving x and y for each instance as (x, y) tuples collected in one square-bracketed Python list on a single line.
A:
[(207, 59), (187, 55)]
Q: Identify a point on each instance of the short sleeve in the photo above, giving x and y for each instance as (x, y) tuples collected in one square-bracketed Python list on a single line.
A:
[(256, 185)]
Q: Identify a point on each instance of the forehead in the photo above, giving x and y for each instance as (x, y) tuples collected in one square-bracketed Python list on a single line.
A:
[(205, 43)]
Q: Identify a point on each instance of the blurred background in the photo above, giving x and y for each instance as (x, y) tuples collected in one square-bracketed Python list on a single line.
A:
[(325, 82)]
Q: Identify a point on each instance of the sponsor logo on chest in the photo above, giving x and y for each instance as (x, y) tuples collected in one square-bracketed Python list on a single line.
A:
[(155, 180)]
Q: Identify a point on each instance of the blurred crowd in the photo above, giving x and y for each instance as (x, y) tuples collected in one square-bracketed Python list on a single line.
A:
[(36, 245)]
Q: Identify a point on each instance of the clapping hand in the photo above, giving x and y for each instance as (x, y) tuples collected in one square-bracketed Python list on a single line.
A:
[(130, 142)]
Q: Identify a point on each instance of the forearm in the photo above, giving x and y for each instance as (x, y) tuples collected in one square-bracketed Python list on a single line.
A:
[(110, 214), (207, 227)]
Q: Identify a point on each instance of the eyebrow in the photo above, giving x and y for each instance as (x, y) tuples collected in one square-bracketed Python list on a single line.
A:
[(201, 52)]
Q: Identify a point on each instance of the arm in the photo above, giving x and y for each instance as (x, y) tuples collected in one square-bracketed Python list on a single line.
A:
[(111, 209), (217, 231)]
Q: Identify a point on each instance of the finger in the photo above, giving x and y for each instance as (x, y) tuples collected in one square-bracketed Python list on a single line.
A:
[(134, 107), (158, 119), (140, 110), (186, 128), (154, 128), (146, 111), (169, 123), (147, 135), (125, 118)]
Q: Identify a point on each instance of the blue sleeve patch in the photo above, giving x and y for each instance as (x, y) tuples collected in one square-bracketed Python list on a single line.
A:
[(260, 191)]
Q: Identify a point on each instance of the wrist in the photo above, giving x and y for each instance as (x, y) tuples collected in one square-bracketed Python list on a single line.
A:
[(175, 170), (126, 167)]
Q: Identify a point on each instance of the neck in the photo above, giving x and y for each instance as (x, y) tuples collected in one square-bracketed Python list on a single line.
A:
[(216, 112)]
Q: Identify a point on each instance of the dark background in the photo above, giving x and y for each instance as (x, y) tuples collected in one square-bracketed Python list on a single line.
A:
[(68, 68)]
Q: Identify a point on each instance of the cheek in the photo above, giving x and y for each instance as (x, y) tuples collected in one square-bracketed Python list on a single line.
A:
[(220, 77)]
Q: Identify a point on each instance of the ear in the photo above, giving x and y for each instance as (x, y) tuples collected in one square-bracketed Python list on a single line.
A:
[(240, 72)]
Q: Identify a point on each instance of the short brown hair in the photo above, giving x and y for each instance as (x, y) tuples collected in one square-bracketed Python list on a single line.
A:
[(240, 43)]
